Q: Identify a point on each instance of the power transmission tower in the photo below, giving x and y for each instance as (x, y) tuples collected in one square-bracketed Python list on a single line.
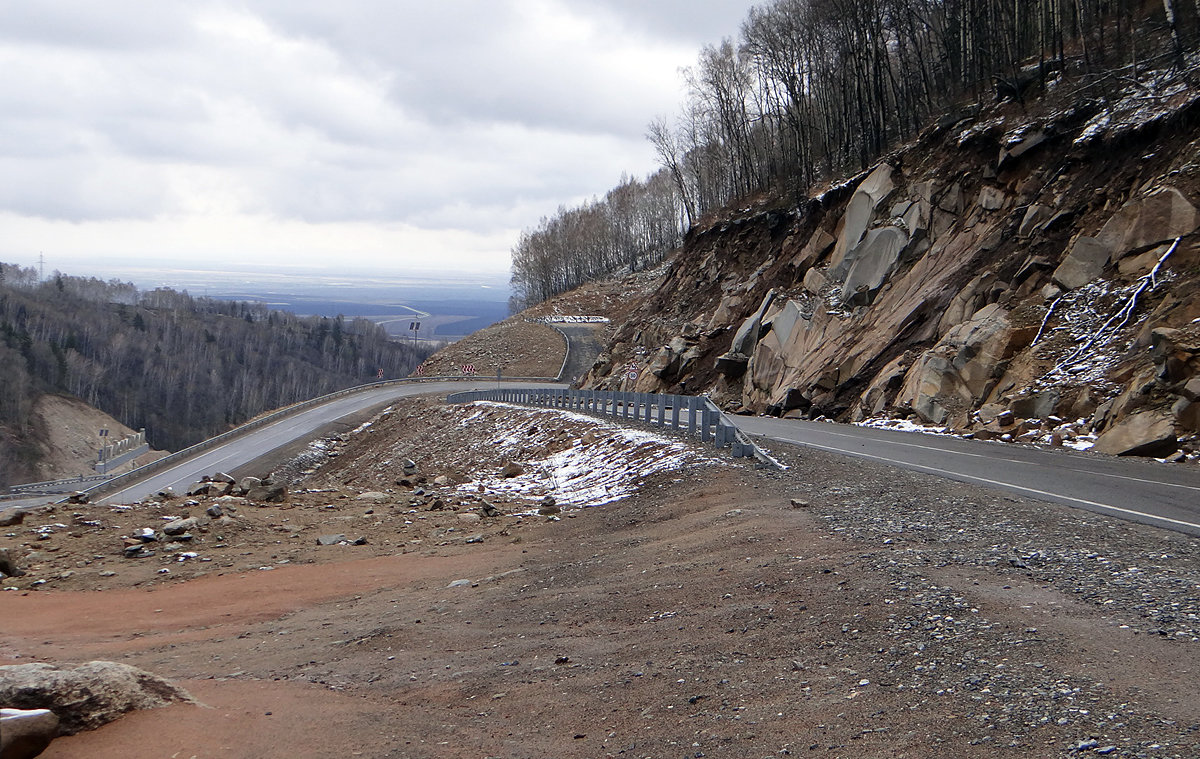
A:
[(41, 267)]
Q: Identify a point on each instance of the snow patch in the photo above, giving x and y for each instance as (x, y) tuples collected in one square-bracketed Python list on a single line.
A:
[(578, 475)]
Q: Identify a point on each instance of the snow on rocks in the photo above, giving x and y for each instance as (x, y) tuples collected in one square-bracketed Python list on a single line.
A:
[(601, 464), (565, 319)]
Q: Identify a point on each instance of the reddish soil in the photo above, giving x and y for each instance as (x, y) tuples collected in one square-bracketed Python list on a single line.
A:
[(704, 617)]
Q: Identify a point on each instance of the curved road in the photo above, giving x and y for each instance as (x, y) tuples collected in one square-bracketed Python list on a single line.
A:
[(279, 434), (263, 440), (583, 346), (1164, 495)]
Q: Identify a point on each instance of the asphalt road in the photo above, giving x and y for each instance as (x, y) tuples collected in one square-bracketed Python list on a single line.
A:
[(585, 346), (273, 436), (285, 431), (1165, 495), (1157, 494)]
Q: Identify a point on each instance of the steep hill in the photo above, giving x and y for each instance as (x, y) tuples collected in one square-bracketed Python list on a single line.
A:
[(183, 368), (71, 438), (1015, 268), (524, 346)]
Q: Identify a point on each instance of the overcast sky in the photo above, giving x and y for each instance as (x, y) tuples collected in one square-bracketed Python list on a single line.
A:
[(360, 134)]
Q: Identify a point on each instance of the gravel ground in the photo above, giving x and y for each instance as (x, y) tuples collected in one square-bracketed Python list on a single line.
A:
[(839, 608)]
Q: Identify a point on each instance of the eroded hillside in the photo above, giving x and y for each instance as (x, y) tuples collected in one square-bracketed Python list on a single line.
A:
[(1013, 269)]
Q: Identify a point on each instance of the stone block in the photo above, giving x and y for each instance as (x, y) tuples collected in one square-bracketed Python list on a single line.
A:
[(1084, 263), (1148, 433)]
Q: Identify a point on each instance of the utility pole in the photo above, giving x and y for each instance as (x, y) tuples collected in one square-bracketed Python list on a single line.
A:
[(41, 267)]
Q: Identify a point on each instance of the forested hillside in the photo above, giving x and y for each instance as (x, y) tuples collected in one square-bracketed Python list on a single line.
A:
[(184, 368), (810, 91)]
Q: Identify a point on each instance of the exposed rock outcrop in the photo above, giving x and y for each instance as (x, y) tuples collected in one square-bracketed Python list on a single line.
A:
[(1002, 264)]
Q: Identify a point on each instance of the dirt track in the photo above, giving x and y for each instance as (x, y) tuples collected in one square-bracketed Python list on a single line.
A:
[(703, 617)]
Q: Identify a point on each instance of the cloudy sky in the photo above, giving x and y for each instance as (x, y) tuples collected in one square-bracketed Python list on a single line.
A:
[(360, 135)]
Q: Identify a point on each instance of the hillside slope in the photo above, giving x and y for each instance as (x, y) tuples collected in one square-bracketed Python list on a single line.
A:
[(1014, 269)]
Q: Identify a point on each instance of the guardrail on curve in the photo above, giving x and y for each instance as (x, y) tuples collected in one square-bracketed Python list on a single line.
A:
[(694, 415), (116, 483)]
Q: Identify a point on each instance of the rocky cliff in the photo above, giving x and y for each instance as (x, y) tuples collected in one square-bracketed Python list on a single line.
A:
[(1016, 271)]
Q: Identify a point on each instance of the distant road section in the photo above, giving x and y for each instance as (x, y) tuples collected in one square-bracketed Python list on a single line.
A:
[(1164, 495), (279, 434), (584, 344)]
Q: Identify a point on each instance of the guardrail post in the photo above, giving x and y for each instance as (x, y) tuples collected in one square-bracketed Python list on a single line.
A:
[(705, 421), (662, 410), (693, 407)]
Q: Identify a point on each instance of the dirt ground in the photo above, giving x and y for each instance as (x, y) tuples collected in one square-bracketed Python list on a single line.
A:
[(837, 609)]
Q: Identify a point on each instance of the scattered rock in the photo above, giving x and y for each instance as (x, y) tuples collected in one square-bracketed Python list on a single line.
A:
[(180, 526), (12, 518), (1148, 433), (331, 540), (512, 469), (25, 733), (798, 503), (8, 565), (88, 696)]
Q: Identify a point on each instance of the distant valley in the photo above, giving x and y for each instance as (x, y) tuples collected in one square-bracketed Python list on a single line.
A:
[(448, 306)]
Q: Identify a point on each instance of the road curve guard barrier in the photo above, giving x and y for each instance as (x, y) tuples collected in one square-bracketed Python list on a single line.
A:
[(693, 415), (114, 484)]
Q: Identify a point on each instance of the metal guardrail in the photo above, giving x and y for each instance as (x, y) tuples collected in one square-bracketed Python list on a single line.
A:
[(166, 462), (693, 415), (50, 487)]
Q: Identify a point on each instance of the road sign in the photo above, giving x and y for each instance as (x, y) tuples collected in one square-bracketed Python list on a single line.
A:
[(468, 368), (420, 369), (632, 374), (380, 374)]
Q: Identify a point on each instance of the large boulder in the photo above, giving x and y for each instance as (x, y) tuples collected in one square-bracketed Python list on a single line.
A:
[(1148, 433), (1084, 263), (747, 335), (872, 261), (961, 369), (870, 193), (1162, 215), (88, 696), (25, 733)]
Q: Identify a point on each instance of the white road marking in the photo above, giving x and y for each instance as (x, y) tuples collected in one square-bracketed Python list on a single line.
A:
[(1017, 461), (998, 483)]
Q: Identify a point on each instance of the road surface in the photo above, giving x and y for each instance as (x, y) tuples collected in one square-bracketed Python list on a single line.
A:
[(583, 341), (273, 436), (1165, 495)]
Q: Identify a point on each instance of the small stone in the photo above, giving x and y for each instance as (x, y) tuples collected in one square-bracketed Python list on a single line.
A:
[(511, 469), (798, 503), (12, 518), (475, 539), (331, 540), (214, 511), (459, 584), (8, 565), (25, 733), (180, 526)]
